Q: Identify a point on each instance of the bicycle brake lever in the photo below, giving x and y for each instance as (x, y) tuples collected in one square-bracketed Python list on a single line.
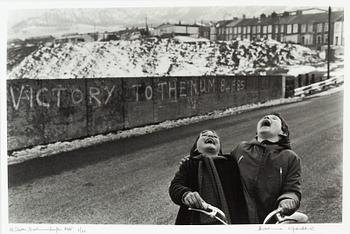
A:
[(216, 210), (213, 212)]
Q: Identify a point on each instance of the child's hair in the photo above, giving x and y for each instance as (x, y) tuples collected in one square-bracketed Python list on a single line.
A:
[(194, 151), (284, 127)]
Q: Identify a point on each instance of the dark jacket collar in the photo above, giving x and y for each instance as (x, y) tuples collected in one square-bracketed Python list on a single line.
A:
[(280, 145), (200, 156)]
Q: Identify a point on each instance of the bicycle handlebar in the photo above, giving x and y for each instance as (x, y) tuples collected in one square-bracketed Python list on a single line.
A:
[(296, 217), (212, 211)]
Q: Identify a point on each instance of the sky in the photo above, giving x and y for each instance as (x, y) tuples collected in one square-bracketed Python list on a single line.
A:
[(22, 11)]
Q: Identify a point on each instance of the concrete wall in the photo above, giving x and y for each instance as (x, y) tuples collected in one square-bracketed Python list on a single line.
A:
[(309, 78), (45, 111)]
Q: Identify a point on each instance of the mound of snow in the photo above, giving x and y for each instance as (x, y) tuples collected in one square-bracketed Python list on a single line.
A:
[(181, 56), (300, 69)]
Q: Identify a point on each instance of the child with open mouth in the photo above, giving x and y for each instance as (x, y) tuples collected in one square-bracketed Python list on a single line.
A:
[(208, 177)]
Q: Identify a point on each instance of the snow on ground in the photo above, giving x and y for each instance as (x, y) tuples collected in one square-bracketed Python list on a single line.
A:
[(336, 68), (181, 56), (300, 69), (59, 147)]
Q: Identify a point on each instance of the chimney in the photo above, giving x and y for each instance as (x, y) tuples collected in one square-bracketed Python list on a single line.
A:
[(243, 16), (285, 14)]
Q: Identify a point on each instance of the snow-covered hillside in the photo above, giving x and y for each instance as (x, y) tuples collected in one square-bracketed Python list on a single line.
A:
[(167, 57)]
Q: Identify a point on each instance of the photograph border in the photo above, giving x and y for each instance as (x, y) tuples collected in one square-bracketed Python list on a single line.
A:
[(79, 228)]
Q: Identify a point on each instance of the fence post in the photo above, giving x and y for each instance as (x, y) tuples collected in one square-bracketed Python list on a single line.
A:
[(283, 86), (126, 125)]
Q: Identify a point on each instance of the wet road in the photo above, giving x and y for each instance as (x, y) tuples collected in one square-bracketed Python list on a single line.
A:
[(126, 181)]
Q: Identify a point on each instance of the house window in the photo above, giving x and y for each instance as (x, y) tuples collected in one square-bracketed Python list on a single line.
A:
[(248, 29), (258, 29), (326, 27), (244, 30), (289, 28), (234, 30), (253, 29), (277, 28), (319, 40), (325, 39), (303, 28), (264, 29), (281, 28), (295, 28), (269, 29), (336, 27), (303, 40), (336, 40), (319, 27), (310, 27)]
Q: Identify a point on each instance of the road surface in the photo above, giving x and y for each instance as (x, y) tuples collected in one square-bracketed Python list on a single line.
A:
[(126, 181)]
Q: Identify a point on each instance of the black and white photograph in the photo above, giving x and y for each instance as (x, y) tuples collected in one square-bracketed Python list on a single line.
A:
[(149, 114)]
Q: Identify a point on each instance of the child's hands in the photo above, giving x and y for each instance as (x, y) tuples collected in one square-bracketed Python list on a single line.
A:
[(194, 200), (288, 206)]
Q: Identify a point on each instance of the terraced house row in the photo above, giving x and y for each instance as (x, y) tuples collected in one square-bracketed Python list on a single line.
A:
[(296, 27)]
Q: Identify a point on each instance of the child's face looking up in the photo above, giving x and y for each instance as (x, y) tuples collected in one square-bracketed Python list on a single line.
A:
[(208, 143), (270, 126)]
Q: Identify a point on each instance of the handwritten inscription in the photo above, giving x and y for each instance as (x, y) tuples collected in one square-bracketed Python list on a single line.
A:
[(173, 89), (170, 89), (290, 228), (95, 96), (54, 229), (301, 228)]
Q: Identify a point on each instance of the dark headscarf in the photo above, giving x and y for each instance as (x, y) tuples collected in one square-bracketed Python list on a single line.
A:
[(194, 151)]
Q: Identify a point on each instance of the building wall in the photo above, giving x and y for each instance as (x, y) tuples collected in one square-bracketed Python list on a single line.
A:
[(306, 39), (291, 38), (338, 38), (184, 29), (213, 34), (46, 111), (164, 29), (287, 32)]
